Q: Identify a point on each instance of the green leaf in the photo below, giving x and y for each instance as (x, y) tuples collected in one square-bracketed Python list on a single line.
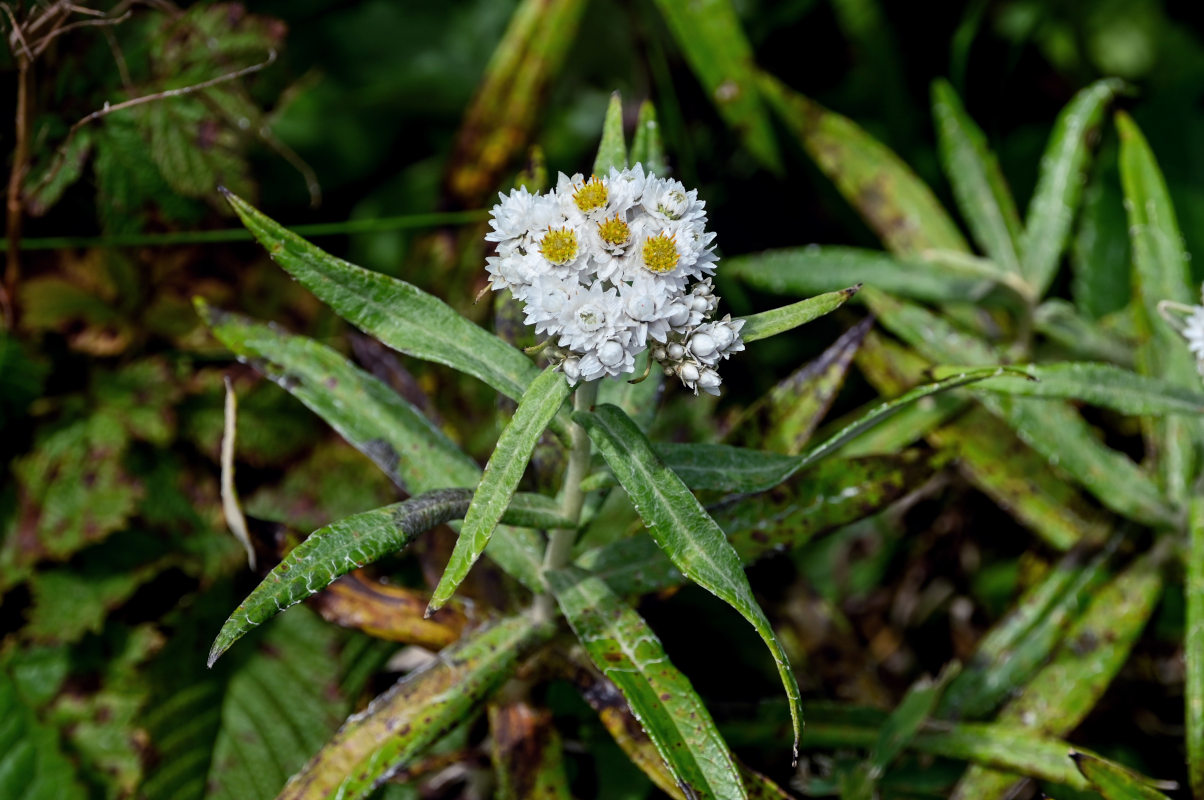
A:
[(351, 543), (709, 34), (646, 146), (1160, 274), (1061, 695), (901, 727), (1102, 385), (682, 528), (32, 765), (1084, 338), (628, 652), (1016, 646), (371, 416), (1193, 646), (780, 320), (895, 203), (1060, 182), (724, 468), (535, 410), (1100, 257), (807, 270), (978, 185), (398, 314), (1113, 781), (612, 152), (419, 709)]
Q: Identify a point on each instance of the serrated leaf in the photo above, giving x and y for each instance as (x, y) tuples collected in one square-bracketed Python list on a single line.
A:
[(527, 754), (535, 411), (32, 765), (1060, 182), (612, 151), (709, 34), (807, 270), (1102, 385), (194, 151), (629, 653), (647, 147), (1160, 274), (408, 718), (1096, 646), (891, 199), (371, 416), (1113, 781), (682, 528), (784, 318), (978, 185), (349, 544), (398, 314), (1193, 646)]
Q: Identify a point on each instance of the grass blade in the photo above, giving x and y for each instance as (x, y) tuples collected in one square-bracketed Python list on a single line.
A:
[(1113, 781), (417, 711), (627, 651), (535, 411), (612, 151), (682, 528), (400, 315), (978, 185), (785, 318), (1060, 182)]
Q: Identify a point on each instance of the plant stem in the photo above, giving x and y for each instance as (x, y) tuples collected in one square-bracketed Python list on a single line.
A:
[(560, 542), (14, 205)]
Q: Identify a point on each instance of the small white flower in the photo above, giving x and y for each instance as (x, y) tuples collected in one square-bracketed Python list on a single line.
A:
[(1193, 331)]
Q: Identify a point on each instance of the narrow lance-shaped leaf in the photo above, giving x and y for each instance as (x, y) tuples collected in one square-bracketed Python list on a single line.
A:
[(682, 528), (646, 146), (972, 169), (784, 318), (1058, 320), (612, 152), (535, 410), (408, 718), (901, 727), (351, 543), (892, 200), (1102, 385), (372, 417), (1113, 781), (628, 652), (1061, 695), (400, 315), (1060, 182), (1160, 274), (1193, 646)]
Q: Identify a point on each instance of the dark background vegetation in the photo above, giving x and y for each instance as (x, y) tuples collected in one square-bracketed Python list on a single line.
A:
[(115, 567)]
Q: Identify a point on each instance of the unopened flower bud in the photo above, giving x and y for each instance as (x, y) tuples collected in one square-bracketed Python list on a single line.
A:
[(709, 381), (676, 352), (610, 353), (679, 314), (699, 303), (571, 368), (688, 373), (702, 345), (724, 336), (658, 353)]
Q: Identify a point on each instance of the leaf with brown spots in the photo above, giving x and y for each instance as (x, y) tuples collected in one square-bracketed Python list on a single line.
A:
[(527, 753)]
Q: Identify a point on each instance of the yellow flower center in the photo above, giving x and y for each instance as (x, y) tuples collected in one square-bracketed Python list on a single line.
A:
[(660, 253), (614, 231), (559, 246), (592, 195)]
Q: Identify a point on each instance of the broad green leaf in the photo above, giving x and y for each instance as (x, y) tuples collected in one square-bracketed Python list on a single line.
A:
[(418, 710), (1060, 182), (32, 765), (1084, 338), (647, 147), (1160, 273), (628, 652), (978, 185), (892, 200), (535, 411), (786, 416), (1113, 781), (351, 543), (1096, 646), (709, 34), (780, 320), (682, 528), (612, 152), (398, 314), (527, 755), (371, 416), (1022, 640), (1098, 384), (823, 497), (1193, 646), (808, 270)]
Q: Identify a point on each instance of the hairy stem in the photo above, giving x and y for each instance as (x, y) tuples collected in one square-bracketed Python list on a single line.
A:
[(560, 542)]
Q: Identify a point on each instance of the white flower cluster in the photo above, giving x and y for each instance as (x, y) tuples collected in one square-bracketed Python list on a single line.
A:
[(1189, 322), (608, 267)]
